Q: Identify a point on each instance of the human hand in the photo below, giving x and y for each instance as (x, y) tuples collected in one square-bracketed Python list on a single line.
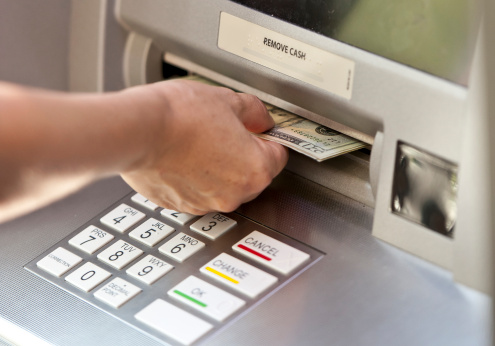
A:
[(202, 156)]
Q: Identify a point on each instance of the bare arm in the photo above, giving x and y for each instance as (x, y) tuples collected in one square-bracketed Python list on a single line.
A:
[(184, 145)]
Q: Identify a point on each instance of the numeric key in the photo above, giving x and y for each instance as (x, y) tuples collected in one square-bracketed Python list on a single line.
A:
[(119, 254), (87, 276), (91, 239), (175, 216), (144, 202), (213, 225), (149, 269), (122, 218), (151, 232), (181, 247)]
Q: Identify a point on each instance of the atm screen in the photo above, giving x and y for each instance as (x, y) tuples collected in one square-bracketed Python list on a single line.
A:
[(434, 36)]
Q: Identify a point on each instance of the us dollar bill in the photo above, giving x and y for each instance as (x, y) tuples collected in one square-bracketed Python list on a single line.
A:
[(305, 136)]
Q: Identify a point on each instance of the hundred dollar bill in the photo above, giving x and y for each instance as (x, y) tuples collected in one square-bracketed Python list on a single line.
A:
[(307, 137)]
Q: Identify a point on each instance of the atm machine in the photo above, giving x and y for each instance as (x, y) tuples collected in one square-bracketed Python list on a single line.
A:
[(386, 246)]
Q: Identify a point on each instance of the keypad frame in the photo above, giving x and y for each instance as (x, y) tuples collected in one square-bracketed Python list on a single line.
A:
[(126, 313)]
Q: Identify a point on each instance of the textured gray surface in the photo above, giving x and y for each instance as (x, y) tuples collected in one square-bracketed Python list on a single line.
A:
[(4, 342), (363, 292), (39, 306)]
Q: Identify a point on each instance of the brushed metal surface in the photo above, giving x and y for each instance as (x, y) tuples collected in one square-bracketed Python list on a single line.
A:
[(39, 307), (362, 292)]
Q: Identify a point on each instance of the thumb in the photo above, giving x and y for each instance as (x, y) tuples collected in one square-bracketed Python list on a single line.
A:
[(276, 155), (253, 114)]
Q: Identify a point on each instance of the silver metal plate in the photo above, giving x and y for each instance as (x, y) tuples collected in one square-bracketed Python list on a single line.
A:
[(181, 271)]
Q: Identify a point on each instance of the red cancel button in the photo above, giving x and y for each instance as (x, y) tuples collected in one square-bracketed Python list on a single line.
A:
[(270, 252)]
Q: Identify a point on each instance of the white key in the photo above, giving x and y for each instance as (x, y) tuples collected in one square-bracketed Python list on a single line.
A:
[(239, 275), (87, 276), (213, 225), (117, 292), (59, 261), (149, 269), (143, 201), (119, 254), (206, 298), (91, 239), (175, 216), (270, 252), (122, 218), (151, 232), (181, 247), (173, 322)]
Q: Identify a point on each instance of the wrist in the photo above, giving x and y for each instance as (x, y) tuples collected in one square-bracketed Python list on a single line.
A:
[(144, 109)]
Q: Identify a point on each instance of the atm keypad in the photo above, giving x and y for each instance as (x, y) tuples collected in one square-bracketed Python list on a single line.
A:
[(138, 262)]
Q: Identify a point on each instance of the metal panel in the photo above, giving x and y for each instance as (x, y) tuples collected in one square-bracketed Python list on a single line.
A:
[(34, 42), (362, 292)]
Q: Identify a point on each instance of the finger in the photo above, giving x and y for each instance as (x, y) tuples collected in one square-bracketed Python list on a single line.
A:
[(189, 203), (194, 211), (253, 113), (251, 197), (276, 155)]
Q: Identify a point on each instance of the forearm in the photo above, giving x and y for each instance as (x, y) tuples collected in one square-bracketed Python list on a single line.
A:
[(184, 145), (52, 144)]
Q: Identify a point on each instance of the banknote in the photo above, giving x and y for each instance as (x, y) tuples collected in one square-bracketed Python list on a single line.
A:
[(307, 137)]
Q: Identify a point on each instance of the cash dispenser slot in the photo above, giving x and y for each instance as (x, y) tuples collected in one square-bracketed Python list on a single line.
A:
[(354, 174), (348, 174)]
